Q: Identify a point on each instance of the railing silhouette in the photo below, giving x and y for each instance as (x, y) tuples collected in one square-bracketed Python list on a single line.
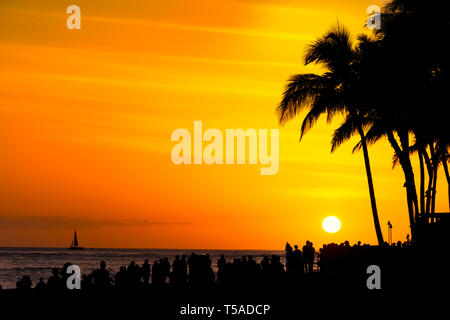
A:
[(433, 229), (431, 218)]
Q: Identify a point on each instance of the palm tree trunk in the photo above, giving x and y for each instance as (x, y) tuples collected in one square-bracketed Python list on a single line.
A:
[(435, 165), (433, 194), (422, 182), (430, 181), (447, 175), (409, 195), (410, 199), (410, 181), (371, 188)]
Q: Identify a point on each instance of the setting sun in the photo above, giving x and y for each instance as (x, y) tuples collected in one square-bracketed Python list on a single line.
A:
[(331, 224)]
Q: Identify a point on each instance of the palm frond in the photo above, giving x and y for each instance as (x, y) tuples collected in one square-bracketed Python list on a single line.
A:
[(395, 160), (347, 129), (328, 102), (373, 133), (334, 49), (300, 93)]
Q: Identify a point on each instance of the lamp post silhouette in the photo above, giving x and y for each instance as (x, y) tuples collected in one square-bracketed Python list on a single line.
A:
[(389, 232)]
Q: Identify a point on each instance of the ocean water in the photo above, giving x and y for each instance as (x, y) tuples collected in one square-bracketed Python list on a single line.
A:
[(38, 262)]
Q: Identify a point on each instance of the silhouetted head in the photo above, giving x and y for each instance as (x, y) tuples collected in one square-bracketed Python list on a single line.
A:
[(24, 283), (55, 272), (146, 261), (103, 265), (296, 247)]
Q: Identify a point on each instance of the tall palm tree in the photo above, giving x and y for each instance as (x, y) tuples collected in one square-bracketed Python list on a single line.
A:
[(445, 159), (336, 91), (412, 72)]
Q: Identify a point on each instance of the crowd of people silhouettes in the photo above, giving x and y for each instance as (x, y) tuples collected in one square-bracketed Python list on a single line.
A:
[(196, 270), (192, 271)]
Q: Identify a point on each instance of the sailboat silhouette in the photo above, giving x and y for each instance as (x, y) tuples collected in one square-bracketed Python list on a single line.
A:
[(74, 245)]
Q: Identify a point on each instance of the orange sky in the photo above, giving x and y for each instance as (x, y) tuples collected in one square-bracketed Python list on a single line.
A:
[(86, 118)]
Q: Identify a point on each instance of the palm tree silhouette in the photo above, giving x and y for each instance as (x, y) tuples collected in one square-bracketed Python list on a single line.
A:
[(392, 85), (337, 91), (411, 75)]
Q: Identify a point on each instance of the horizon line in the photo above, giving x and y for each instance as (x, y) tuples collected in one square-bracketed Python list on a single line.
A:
[(101, 248)]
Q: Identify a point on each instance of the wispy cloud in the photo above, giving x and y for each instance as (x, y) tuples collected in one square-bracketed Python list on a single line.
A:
[(329, 192), (257, 90), (150, 23), (203, 28), (54, 222)]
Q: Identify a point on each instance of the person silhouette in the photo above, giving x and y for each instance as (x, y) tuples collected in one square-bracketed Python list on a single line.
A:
[(306, 255), (165, 268), (100, 277), (156, 274), (311, 255), (55, 283), (183, 271), (24, 284), (265, 268), (221, 262), (121, 278), (40, 286), (133, 275), (253, 270), (209, 270), (146, 272), (175, 274), (297, 261)]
